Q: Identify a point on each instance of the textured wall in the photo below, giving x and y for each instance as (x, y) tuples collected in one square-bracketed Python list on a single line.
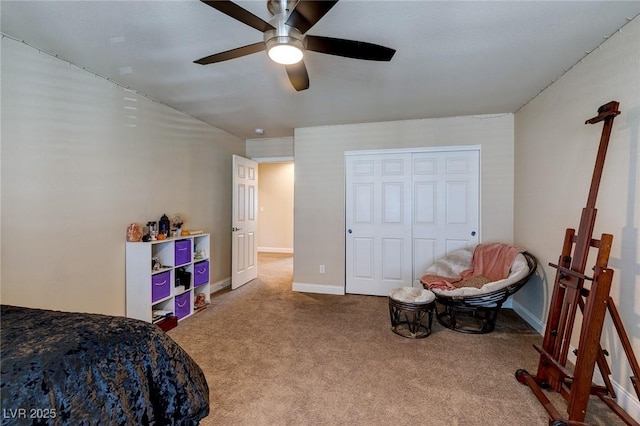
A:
[(554, 158), (81, 159), (319, 190)]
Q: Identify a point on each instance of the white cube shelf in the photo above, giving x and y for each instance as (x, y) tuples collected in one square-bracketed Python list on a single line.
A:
[(150, 289)]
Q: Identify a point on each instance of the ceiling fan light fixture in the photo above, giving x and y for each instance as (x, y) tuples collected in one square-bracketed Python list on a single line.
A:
[(285, 50)]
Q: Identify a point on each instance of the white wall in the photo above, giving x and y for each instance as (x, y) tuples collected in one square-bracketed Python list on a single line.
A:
[(275, 207), (81, 159), (319, 231), (554, 159)]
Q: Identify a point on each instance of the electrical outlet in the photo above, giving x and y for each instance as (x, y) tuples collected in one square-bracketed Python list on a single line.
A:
[(322, 269)]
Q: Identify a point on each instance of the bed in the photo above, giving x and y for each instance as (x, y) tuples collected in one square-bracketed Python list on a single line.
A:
[(61, 368)]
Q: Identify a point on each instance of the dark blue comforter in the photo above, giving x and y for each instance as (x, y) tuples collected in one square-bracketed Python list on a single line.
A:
[(62, 368)]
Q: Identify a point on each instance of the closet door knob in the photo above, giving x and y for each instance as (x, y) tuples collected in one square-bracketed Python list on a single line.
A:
[(473, 233), (349, 231)]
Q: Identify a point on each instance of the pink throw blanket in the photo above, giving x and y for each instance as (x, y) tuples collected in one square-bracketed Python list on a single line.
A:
[(491, 262)]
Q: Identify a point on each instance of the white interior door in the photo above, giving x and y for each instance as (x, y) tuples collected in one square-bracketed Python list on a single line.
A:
[(244, 222), (378, 218), (403, 211)]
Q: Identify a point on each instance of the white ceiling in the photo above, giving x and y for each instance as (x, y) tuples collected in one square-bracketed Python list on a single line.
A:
[(453, 57)]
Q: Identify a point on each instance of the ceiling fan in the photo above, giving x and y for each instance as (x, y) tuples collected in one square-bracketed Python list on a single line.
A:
[(285, 38)]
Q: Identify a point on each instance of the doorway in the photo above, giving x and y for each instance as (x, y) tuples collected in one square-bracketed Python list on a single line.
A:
[(275, 215), (275, 207)]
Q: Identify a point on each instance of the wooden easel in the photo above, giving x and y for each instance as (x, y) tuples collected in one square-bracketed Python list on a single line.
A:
[(569, 295)]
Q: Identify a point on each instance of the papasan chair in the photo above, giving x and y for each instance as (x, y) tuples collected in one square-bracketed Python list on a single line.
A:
[(472, 284)]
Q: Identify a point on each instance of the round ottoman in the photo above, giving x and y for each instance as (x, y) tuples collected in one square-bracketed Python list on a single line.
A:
[(411, 310)]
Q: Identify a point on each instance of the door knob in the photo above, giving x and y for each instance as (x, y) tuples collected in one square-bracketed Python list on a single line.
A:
[(473, 233), (349, 231)]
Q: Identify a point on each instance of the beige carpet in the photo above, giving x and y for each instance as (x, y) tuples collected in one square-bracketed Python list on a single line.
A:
[(276, 357)]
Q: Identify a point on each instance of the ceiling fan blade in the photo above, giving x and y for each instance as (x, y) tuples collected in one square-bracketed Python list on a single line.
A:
[(232, 54), (233, 10), (298, 76), (307, 13), (349, 48)]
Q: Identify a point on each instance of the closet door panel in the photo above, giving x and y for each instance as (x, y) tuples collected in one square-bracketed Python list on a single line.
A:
[(447, 215), (378, 223)]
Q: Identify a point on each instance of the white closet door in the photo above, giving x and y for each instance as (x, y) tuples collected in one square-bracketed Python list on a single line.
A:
[(378, 218), (405, 210), (445, 205)]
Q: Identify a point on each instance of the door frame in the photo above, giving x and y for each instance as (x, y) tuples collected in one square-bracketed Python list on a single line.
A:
[(257, 160), (439, 148)]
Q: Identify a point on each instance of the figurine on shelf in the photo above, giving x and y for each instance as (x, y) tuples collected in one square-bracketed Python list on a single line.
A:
[(177, 221), (199, 255), (155, 264), (134, 233), (152, 231), (164, 225), (200, 301)]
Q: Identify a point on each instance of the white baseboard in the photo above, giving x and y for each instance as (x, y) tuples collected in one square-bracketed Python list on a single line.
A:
[(318, 288), (627, 401), (275, 250), (531, 319), (220, 285), (624, 399)]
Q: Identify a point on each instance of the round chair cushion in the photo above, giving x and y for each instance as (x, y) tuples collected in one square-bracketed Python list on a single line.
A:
[(412, 295), (456, 262)]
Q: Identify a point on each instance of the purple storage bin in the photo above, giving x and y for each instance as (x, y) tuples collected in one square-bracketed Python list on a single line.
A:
[(200, 273), (160, 286), (182, 308), (183, 252)]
